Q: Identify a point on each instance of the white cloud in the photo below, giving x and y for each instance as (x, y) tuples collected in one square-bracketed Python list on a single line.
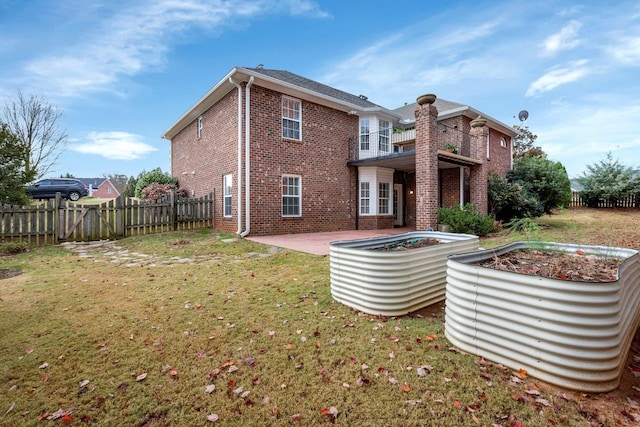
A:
[(627, 50), (575, 70), (136, 39), (565, 39), (114, 146)]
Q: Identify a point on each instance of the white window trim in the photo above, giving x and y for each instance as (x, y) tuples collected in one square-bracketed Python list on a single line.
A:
[(384, 134), (368, 198), (299, 196), (375, 176), (363, 134), (389, 198), (199, 127), (299, 120), (226, 196)]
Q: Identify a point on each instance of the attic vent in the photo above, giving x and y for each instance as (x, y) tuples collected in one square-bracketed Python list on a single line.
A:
[(364, 98)]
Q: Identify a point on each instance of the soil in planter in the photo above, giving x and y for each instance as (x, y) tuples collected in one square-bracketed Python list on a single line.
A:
[(557, 265), (404, 245)]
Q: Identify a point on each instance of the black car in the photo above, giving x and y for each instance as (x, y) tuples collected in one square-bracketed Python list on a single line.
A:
[(71, 189)]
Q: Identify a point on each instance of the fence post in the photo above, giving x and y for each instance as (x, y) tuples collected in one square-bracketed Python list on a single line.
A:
[(58, 217), (174, 209)]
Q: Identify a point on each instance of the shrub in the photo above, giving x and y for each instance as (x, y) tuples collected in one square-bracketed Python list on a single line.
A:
[(546, 179), (510, 200), (155, 191), (154, 176), (466, 220), (608, 180)]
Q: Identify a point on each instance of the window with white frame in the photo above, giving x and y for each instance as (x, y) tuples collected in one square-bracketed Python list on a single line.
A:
[(199, 126), (291, 195), (383, 198), (227, 183), (384, 138), (364, 134), (365, 197), (108, 189), (291, 118), (503, 142)]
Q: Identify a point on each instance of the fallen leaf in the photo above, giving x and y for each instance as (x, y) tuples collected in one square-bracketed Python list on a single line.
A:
[(84, 383), (212, 418), (522, 373), (210, 388), (67, 419), (29, 351), (45, 365), (141, 377), (457, 404), (405, 388), (13, 405), (46, 378)]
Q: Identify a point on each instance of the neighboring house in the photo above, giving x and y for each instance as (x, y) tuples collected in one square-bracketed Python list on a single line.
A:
[(285, 154), (101, 188)]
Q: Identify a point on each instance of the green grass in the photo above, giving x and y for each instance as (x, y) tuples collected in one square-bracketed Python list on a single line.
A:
[(261, 327)]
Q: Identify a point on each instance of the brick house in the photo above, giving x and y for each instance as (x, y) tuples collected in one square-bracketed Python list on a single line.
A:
[(285, 154), (101, 188)]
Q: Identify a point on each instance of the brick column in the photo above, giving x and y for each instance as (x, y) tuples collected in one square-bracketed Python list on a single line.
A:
[(479, 176), (427, 186)]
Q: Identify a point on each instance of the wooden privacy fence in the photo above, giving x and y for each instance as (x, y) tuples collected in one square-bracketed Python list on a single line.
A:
[(58, 220), (629, 202)]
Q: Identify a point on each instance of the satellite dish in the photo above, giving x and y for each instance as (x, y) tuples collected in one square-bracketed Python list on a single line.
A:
[(523, 115)]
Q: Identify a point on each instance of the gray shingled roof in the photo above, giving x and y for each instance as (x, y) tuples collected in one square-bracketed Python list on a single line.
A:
[(408, 111), (294, 79)]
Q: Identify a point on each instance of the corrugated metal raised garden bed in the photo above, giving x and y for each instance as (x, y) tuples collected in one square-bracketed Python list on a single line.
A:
[(394, 275), (572, 333)]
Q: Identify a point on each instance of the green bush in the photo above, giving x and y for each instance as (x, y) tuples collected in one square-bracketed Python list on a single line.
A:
[(608, 180), (466, 220), (154, 176), (13, 247), (510, 200), (544, 178)]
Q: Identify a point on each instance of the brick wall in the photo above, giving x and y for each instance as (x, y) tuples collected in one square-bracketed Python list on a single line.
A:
[(328, 184), (450, 187)]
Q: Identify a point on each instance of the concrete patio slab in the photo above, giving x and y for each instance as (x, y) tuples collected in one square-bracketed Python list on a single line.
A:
[(318, 243)]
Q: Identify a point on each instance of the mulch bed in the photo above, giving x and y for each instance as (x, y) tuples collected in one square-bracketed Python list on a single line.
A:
[(574, 266)]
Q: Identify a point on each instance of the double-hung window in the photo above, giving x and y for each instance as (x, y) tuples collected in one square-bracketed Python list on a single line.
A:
[(227, 183), (291, 118), (384, 137), (383, 198), (365, 197), (291, 195), (364, 134), (200, 127)]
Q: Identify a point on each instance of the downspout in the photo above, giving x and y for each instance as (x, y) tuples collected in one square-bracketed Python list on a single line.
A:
[(247, 166), (239, 154)]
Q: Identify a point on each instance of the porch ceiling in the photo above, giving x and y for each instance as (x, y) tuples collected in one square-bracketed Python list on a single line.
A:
[(406, 161)]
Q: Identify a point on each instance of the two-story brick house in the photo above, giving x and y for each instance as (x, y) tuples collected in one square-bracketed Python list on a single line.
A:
[(285, 154)]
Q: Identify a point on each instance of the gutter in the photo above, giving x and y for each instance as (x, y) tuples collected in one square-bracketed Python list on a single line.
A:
[(239, 154), (247, 168)]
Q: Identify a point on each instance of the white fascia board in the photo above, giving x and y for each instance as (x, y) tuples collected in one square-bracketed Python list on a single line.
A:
[(472, 113)]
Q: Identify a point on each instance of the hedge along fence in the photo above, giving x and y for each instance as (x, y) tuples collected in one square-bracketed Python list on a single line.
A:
[(630, 202), (57, 220)]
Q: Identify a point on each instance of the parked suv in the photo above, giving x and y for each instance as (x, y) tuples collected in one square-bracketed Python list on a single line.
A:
[(71, 189)]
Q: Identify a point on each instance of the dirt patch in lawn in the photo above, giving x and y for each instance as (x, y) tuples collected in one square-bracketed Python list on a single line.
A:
[(5, 273), (557, 265)]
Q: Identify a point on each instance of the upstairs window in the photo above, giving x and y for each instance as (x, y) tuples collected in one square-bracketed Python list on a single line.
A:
[(384, 141), (291, 195), (200, 127), (227, 183), (364, 134), (291, 118)]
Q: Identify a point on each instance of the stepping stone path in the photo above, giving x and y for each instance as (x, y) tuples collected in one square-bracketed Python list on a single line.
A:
[(108, 251)]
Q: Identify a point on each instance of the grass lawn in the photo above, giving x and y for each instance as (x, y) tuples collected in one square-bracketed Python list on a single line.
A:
[(183, 329)]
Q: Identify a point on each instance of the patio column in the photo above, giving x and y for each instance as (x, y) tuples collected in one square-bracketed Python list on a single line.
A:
[(427, 185), (479, 176)]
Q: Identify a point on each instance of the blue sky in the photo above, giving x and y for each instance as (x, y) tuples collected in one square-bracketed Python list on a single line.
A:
[(123, 71)]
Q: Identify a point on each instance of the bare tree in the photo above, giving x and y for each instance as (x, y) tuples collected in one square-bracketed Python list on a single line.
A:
[(35, 123)]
